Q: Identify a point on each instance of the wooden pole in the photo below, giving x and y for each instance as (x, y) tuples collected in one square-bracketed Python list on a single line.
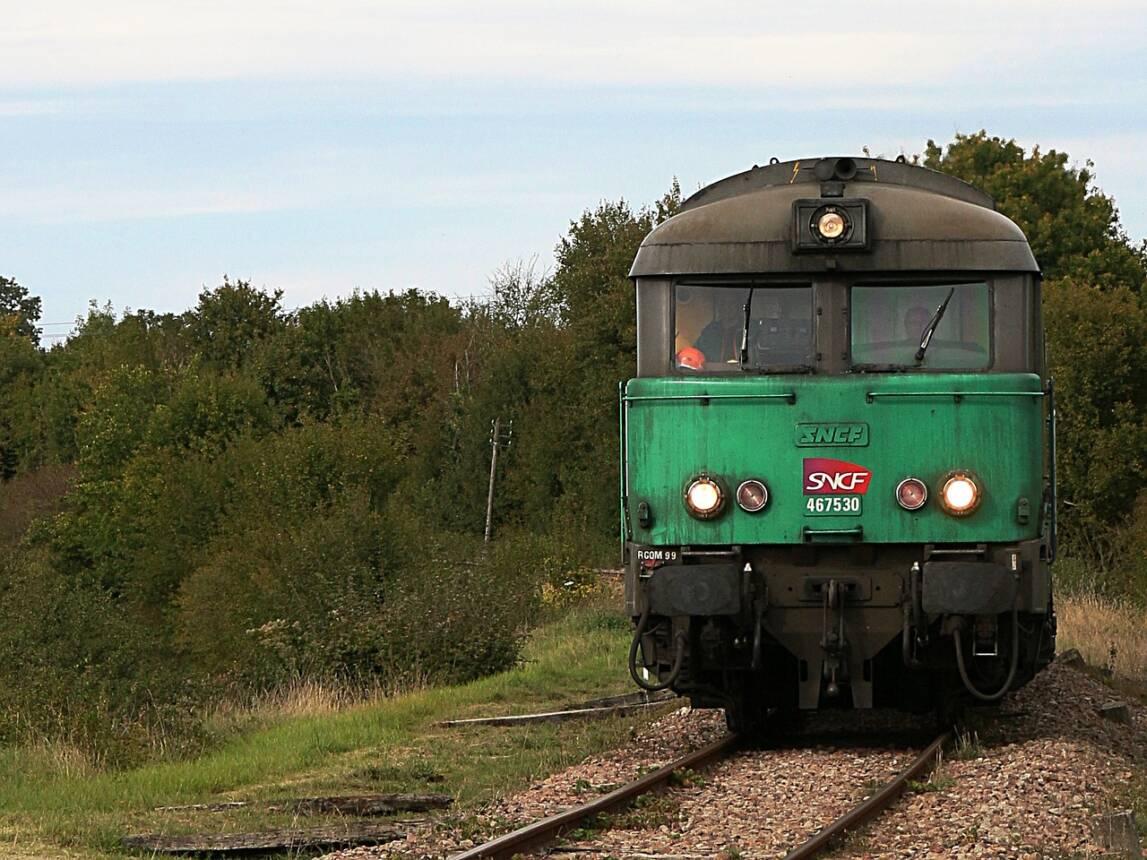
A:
[(494, 444)]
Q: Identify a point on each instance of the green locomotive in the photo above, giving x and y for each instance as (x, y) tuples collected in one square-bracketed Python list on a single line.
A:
[(837, 482)]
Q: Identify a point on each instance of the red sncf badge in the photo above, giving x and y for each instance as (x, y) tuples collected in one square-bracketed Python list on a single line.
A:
[(823, 476)]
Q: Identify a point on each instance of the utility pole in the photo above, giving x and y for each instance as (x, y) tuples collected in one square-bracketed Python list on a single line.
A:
[(497, 440)]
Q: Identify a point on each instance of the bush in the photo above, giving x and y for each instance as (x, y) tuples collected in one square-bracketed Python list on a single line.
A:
[(280, 600), (462, 609), (74, 667)]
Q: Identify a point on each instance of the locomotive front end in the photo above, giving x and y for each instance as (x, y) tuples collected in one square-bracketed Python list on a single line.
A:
[(837, 475)]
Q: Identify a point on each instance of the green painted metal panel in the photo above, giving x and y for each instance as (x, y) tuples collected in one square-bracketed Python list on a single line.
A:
[(925, 425)]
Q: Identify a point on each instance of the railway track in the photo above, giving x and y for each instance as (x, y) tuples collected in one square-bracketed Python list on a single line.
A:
[(534, 836)]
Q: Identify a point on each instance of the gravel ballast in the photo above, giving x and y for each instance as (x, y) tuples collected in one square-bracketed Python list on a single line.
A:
[(1031, 782)]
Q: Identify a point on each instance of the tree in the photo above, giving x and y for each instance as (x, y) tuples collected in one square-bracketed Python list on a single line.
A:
[(568, 436), (21, 361), (19, 311), (230, 320), (1095, 352), (523, 296), (20, 365), (1073, 228)]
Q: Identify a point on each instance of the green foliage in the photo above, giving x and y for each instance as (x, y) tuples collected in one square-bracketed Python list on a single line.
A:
[(73, 667), (231, 320), (1126, 576), (1073, 229), (29, 496), (115, 424), (456, 616), (289, 579), (20, 365), (19, 312), (556, 370), (295, 599), (1095, 352)]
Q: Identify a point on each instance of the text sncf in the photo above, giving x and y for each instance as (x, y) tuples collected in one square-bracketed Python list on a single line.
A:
[(823, 475)]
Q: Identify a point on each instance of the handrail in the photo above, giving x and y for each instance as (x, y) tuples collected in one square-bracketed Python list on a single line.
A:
[(872, 395), (808, 533), (623, 466), (788, 396), (1051, 420)]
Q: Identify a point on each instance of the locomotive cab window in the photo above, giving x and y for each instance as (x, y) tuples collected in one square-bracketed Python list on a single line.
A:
[(712, 324), (928, 327)]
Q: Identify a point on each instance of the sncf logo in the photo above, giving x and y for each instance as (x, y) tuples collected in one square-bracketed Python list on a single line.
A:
[(823, 476)]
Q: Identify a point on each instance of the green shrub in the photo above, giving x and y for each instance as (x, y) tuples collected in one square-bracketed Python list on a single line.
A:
[(278, 600), (461, 610), (74, 667)]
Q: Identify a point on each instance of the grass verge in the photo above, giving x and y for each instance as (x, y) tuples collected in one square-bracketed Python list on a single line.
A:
[(1109, 634), (53, 803), (1112, 637)]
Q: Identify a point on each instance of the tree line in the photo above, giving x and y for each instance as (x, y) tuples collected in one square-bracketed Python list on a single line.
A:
[(216, 501)]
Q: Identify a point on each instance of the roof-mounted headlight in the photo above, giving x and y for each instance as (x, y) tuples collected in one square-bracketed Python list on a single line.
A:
[(820, 226), (831, 224)]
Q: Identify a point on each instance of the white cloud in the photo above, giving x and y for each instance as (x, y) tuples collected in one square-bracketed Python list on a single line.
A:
[(29, 107), (61, 204), (725, 43), (344, 177)]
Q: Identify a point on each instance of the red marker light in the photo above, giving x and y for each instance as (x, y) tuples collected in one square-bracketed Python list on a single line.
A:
[(752, 495), (911, 493)]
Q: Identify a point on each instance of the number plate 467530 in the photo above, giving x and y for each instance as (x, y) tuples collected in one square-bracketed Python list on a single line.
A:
[(832, 506)]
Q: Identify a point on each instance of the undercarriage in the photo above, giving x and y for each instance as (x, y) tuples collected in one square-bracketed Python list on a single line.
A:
[(760, 630)]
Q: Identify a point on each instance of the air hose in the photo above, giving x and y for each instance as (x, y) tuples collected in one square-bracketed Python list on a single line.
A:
[(999, 694), (678, 658)]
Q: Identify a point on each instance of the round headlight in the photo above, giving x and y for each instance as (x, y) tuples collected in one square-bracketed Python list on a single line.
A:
[(830, 225), (752, 495), (704, 497), (960, 495), (911, 493)]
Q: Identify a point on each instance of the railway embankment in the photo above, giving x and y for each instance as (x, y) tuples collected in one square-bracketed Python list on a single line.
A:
[(1039, 779), (57, 802), (1050, 774)]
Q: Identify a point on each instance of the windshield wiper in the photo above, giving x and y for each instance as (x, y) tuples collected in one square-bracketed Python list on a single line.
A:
[(930, 329), (745, 331)]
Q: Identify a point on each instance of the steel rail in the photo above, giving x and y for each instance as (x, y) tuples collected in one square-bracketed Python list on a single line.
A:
[(873, 806), (539, 832)]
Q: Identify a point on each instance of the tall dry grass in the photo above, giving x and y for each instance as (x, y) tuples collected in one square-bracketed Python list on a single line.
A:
[(1106, 632), (299, 698)]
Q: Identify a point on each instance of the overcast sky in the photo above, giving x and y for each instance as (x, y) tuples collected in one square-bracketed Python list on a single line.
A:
[(148, 148)]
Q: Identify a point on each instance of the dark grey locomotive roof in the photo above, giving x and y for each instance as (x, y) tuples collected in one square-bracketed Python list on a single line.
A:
[(919, 220)]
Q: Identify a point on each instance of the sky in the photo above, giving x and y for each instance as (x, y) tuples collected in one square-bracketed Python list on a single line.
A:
[(150, 147)]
